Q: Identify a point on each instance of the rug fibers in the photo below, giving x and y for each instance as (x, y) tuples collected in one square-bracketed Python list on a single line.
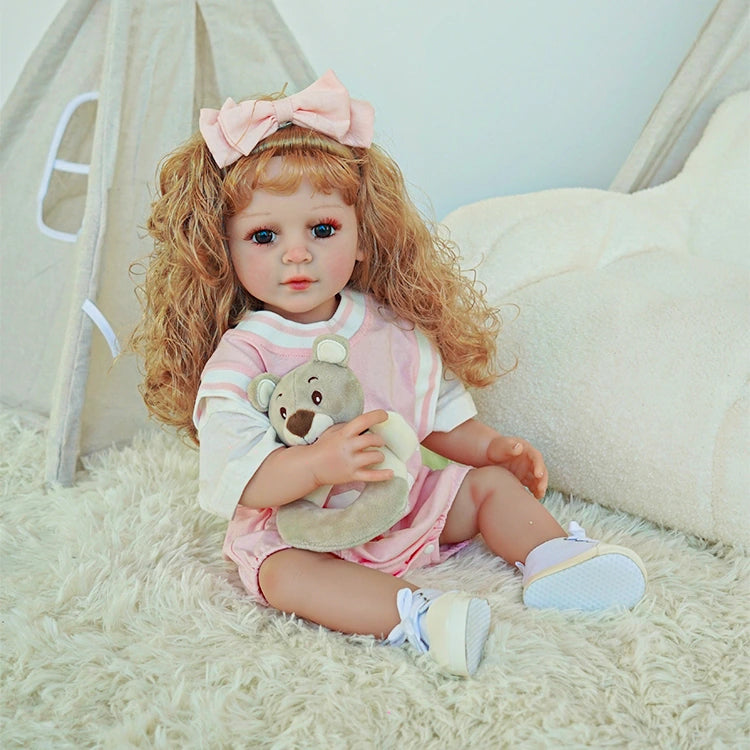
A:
[(123, 627)]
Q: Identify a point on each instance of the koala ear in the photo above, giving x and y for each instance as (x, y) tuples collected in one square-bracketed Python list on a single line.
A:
[(261, 389), (332, 349)]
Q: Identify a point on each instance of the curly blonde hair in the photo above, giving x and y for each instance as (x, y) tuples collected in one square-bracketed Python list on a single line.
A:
[(191, 294)]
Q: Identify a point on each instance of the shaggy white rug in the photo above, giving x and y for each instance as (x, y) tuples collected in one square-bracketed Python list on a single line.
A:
[(123, 627)]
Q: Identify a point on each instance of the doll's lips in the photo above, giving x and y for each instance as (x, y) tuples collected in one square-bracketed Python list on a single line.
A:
[(298, 283)]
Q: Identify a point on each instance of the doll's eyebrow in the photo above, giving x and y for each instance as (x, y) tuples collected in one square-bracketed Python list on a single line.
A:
[(317, 207), (320, 206), (310, 380)]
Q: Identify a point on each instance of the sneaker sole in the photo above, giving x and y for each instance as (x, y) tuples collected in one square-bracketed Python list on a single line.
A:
[(601, 578), (458, 641), (477, 630)]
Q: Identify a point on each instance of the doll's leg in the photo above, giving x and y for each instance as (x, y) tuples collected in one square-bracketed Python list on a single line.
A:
[(491, 501), (561, 571), (352, 598), (335, 593)]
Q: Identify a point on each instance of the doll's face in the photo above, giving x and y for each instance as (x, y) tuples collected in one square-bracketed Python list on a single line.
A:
[(295, 252)]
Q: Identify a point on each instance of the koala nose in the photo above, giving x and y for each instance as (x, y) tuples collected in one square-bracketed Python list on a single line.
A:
[(300, 422)]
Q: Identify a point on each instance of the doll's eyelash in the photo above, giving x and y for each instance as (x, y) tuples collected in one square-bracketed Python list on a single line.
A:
[(336, 225), (325, 229), (261, 235), (265, 235)]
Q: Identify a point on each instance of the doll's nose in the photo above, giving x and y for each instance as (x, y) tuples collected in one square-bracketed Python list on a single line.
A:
[(297, 253)]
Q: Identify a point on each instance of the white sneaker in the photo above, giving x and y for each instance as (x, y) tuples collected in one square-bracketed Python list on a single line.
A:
[(581, 573), (451, 627)]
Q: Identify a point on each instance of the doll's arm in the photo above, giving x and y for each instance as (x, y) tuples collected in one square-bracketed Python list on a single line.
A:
[(476, 444), (343, 453)]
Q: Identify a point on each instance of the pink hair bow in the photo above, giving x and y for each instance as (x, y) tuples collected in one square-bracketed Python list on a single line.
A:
[(325, 106)]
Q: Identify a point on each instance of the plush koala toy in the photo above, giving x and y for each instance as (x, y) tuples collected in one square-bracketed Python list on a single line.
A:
[(301, 406)]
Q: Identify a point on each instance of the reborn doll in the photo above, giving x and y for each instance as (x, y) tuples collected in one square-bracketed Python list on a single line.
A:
[(279, 222)]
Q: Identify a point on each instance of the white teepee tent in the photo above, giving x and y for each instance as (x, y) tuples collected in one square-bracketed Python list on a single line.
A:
[(717, 66), (113, 86)]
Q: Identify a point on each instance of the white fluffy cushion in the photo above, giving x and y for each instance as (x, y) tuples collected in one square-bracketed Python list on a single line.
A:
[(632, 335)]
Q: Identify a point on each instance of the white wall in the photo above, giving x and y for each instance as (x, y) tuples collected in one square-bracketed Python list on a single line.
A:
[(477, 98), (22, 24)]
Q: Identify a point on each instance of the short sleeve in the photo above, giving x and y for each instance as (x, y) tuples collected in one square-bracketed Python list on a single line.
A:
[(454, 404)]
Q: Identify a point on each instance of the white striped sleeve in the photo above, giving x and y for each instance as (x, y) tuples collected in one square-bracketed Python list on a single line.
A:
[(442, 401), (455, 404)]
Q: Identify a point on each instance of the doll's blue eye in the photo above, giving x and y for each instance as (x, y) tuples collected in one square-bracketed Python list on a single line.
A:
[(263, 236), (321, 231)]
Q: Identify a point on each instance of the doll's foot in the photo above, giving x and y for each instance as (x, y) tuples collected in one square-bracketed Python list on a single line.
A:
[(581, 573), (451, 627)]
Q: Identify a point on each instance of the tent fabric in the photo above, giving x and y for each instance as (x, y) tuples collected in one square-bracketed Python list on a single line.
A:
[(717, 66), (136, 71)]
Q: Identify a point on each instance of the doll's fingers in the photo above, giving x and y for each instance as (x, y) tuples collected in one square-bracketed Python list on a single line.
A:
[(536, 480), (520, 447), (540, 470), (368, 440), (540, 486), (368, 419), (374, 475), (369, 457), (514, 446), (503, 448)]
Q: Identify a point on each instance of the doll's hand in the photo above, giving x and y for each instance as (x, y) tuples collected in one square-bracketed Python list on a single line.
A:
[(520, 458), (344, 452)]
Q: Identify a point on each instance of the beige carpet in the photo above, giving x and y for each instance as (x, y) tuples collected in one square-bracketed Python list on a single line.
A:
[(123, 627)]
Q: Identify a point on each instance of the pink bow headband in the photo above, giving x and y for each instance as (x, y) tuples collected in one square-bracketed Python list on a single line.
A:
[(236, 129)]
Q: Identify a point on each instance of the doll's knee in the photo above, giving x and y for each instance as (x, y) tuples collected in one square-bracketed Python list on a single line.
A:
[(489, 481), (280, 573)]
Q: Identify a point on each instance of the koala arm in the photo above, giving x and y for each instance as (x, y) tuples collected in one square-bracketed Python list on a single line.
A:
[(398, 435)]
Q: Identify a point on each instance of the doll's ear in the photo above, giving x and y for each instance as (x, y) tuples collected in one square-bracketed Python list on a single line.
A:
[(261, 389), (332, 349)]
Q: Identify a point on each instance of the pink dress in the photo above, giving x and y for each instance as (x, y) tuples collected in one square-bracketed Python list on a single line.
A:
[(399, 370)]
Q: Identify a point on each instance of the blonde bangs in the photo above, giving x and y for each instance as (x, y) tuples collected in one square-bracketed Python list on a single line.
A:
[(325, 163)]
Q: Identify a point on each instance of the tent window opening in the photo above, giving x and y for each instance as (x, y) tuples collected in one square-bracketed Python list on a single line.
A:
[(61, 201)]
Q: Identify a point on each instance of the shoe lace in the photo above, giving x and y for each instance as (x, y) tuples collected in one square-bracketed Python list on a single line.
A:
[(411, 605), (577, 533)]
